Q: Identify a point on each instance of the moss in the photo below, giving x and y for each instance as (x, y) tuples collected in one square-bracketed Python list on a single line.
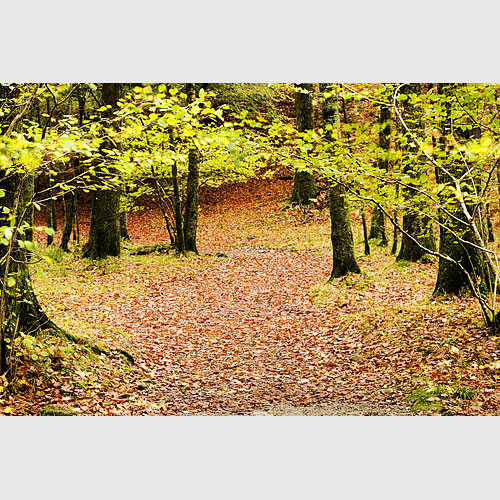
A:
[(436, 399), (56, 411), (148, 249)]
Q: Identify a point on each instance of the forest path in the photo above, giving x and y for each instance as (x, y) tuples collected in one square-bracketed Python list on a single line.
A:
[(240, 336)]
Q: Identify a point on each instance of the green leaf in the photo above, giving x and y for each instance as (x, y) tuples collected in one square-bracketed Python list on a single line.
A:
[(28, 343)]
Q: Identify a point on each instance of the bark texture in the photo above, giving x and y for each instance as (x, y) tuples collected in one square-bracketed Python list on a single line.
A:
[(451, 279), (104, 233), (20, 311), (344, 260), (192, 188), (414, 223), (68, 222), (377, 228), (304, 183)]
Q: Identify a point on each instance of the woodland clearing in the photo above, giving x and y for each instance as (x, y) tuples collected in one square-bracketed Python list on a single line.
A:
[(250, 327)]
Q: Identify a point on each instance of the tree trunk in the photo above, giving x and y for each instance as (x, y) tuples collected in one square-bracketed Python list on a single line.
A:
[(68, 221), (377, 228), (179, 239), (304, 183), (489, 224), (192, 188), (451, 279), (366, 238), (20, 310), (414, 222), (51, 211), (124, 225), (104, 233), (344, 260), (395, 230)]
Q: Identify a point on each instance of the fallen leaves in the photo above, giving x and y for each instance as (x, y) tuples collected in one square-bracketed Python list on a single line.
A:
[(257, 326)]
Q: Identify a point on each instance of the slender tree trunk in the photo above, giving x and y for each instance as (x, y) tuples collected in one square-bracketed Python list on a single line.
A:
[(489, 224), (377, 228), (104, 233), (304, 183), (365, 232), (192, 188), (344, 260), (68, 221), (395, 231), (124, 226), (51, 211), (179, 240), (179, 232)]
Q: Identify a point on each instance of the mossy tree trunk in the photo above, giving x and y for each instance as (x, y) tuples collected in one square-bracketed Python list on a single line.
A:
[(104, 233), (20, 311), (415, 223), (192, 188), (377, 228), (304, 183), (344, 260), (451, 279)]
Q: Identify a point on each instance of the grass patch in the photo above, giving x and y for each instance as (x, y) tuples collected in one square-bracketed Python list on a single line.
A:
[(437, 399)]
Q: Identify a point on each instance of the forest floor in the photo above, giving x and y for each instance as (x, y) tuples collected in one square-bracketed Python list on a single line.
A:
[(251, 326)]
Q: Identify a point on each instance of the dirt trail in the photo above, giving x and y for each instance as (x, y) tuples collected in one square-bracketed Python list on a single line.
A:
[(240, 336)]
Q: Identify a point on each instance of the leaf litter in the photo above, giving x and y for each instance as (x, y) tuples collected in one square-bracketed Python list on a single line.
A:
[(257, 330)]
